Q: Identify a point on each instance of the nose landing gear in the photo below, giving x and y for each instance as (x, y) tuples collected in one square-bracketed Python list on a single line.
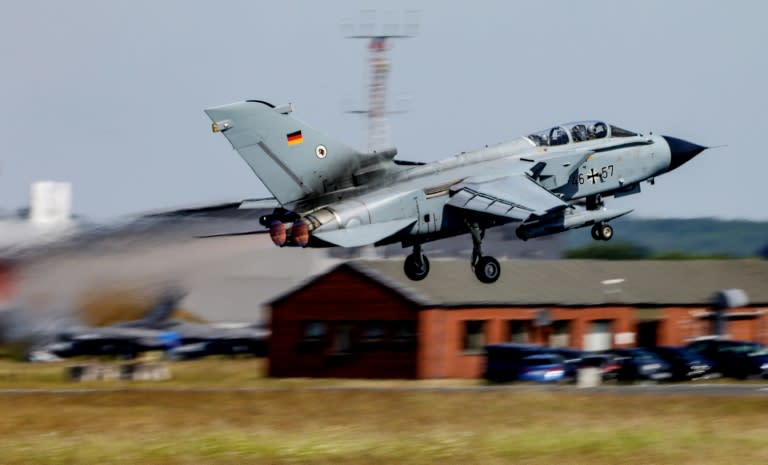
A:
[(602, 232)]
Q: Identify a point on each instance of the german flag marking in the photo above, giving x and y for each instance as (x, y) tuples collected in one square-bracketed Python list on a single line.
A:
[(295, 138)]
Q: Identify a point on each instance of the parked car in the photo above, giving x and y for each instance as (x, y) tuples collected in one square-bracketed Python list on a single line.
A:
[(609, 367), (684, 363), (640, 365), (541, 368), (572, 358), (503, 360), (735, 359)]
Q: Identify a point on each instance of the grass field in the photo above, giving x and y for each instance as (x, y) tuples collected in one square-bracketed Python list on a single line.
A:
[(288, 423)]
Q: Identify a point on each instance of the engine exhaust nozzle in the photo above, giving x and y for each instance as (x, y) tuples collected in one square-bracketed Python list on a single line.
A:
[(300, 233), (277, 232)]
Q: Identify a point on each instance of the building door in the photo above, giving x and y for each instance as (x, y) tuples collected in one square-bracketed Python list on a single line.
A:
[(598, 336)]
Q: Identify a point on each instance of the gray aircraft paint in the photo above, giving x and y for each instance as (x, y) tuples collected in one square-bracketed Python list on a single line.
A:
[(347, 198)]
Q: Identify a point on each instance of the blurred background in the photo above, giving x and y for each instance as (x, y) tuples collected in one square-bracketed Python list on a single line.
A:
[(109, 173)]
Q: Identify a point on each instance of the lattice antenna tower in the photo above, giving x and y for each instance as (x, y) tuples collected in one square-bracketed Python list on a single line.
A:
[(379, 36)]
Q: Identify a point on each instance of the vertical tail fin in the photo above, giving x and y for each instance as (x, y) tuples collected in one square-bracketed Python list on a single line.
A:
[(292, 159), (163, 309)]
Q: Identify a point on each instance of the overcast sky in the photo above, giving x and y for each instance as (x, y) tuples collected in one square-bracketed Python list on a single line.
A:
[(110, 95)]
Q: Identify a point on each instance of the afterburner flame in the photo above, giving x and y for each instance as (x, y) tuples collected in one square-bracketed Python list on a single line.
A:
[(277, 233), (300, 233)]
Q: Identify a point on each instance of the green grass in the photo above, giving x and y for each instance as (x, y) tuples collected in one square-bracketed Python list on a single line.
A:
[(288, 423), (208, 373)]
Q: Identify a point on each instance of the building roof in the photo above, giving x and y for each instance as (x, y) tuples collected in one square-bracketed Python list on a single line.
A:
[(229, 279), (576, 283)]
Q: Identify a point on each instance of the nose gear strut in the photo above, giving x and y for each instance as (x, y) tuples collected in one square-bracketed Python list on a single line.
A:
[(486, 268)]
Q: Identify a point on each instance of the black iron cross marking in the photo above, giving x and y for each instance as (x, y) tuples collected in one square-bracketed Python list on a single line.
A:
[(593, 175)]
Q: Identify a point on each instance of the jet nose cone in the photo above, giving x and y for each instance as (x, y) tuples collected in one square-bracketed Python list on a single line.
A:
[(681, 151)]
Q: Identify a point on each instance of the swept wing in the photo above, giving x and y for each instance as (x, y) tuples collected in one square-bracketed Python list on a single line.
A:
[(516, 197)]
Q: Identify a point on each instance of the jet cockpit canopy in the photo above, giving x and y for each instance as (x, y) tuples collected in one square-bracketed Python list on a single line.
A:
[(580, 131)]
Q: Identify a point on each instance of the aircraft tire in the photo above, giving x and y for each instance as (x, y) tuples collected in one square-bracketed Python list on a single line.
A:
[(596, 232), (413, 270), (606, 232), (487, 270)]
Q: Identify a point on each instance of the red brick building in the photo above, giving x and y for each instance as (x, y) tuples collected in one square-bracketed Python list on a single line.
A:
[(366, 319), (7, 282)]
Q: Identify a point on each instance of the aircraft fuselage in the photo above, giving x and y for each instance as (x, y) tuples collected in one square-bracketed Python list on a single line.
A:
[(332, 195), (613, 166)]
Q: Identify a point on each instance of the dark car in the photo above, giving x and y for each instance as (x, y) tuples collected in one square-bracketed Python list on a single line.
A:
[(541, 368), (640, 365), (572, 358), (606, 363), (503, 361), (684, 363), (734, 359)]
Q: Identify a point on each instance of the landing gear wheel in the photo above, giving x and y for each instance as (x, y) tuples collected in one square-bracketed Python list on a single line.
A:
[(416, 267), (487, 270), (596, 232), (602, 232), (606, 232)]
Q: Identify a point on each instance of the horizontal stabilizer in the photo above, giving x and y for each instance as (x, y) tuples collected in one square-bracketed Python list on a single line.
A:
[(363, 235)]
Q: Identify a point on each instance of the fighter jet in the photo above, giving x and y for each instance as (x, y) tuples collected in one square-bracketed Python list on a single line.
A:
[(126, 343), (199, 339), (329, 194), (45, 337)]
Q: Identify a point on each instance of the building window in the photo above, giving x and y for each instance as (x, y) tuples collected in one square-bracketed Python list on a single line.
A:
[(403, 335), (372, 337), (315, 331), (560, 333), (474, 336), (314, 336), (373, 331), (519, 331)]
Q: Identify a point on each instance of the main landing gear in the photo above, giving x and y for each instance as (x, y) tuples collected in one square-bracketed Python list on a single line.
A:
[(416, 264), (486, 268)]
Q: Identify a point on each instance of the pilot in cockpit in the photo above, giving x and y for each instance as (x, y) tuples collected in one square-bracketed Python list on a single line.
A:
[(598, 131), (579, 133), (558, 136), (537, 140)]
